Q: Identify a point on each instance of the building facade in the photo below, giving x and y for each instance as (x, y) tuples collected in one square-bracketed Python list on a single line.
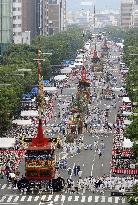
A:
[(135, 15), (126, 13), (26, 20), (5, 24), (53, 16)]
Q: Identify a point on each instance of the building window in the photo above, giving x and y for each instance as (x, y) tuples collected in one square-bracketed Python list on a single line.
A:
[(52, 1)]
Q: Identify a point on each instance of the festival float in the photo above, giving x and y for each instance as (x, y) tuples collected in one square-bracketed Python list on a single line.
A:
[(72, 126), (79, 108), (96, 61), (40, 154), (104, 49)]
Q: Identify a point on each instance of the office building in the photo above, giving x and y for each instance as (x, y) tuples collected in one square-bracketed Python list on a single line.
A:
[(53, 16), (5, 24), (126, 13), (26, 20), (135, 15)]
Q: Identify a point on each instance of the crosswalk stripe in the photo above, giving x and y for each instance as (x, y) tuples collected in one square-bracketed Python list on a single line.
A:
[(69, 198), (63, 198), (102, 198), (16, 199), (96, 198), (76, 198), (3, 198), (56, 198), (36, 198), (29, 198), (43, 197), (3, 186), (89, 198), (116, 200), (9, 199), (83, 198), (23, 198), (49, 197), (123, 200), (110, 199)]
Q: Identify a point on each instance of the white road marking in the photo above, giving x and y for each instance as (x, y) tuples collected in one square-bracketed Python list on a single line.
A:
[(3, 198), (63, 197), (36, 198), (69, 198), (89, 198), (102, 198), (116, 200), (29, 198), (16, 199), (43, 198), (4, 186), (83, 198), (9, 199), (76, 198), (110, 199), (56, 198), (96, 198), (1, 203), (123, 200), (23, 198)]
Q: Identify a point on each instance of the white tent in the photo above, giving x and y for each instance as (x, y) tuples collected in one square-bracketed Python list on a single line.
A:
[(127, 122), (50, 89), (127, 143), (127, 113), (117, 89), (78, 64), (31, 113), (66, 70), (121, 45), (60, 77), (126, 100), (6, 142), (22, 122)]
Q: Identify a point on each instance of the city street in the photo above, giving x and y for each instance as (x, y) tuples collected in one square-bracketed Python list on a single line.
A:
[(89, 161)]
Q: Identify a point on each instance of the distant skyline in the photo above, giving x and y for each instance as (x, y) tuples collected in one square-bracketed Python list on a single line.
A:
[(100, 4)]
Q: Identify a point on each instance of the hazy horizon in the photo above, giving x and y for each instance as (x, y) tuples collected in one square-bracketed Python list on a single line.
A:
[(99, 4)]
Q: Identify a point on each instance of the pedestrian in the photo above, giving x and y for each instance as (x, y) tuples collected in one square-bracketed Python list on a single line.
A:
[(99, 153)]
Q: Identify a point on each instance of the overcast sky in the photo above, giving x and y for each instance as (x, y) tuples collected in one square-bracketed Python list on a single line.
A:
[(100, 4)]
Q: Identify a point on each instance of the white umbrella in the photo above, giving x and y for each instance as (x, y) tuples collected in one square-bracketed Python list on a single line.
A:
[(50, 89), (60, 77), (66, 70)]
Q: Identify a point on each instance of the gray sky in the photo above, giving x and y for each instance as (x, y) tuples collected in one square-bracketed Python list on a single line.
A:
[(100, 4)]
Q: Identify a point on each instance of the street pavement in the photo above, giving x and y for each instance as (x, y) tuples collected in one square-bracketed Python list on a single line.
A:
[(88, 160)]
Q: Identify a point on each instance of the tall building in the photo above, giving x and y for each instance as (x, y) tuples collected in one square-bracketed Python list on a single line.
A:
[(5, 24), (126, 13), (53, 16), (26, 20), (135, 14)]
